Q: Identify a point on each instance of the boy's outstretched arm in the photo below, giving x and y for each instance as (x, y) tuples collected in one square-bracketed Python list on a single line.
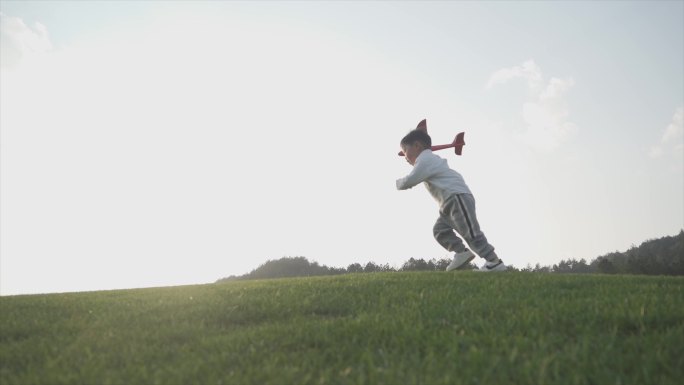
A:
[(421, 171)]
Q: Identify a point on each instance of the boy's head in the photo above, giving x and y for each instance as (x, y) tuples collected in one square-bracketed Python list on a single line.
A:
[(414, 143)]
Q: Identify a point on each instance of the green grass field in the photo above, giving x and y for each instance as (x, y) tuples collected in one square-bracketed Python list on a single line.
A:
[(385, 328)]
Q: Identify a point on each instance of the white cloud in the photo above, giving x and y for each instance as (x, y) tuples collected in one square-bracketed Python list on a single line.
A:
[(672, 138), (545, 114), (674, 131), (546, 126), (655, 152), (17, 40), (556, 88), (529, 71)]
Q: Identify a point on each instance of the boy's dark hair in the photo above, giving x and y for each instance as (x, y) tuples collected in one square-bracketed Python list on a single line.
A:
[(417, 135)]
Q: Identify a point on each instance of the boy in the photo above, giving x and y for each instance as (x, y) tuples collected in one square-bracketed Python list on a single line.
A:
[(456, 202)]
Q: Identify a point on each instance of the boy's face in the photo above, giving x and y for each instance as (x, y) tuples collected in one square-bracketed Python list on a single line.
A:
[(412, 151)]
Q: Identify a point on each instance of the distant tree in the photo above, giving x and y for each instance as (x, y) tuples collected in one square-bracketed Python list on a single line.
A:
[(229, 278), (605, 266), (355, 268), (386, 268), (541, 269), (571, 266), (527, 269), (415, 265), (663, 256), (441, 264), (287, 267), (371, 267), (676, 251), (561, 267), (582, 266), (337, 270)]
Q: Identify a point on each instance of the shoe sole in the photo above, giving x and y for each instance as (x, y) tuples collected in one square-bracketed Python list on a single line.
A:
[(459, 267), (498, 267)]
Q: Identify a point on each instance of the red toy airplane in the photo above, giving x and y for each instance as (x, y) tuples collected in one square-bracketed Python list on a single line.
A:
[(457, 144)]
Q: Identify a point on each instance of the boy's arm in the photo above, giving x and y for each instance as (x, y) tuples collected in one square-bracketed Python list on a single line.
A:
[(421, 171)]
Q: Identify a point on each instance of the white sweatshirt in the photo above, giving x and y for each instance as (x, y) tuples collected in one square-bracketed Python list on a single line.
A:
[(440, 180)]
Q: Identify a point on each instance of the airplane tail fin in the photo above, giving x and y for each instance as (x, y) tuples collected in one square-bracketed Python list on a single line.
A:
[(458, 143), (422, 125)]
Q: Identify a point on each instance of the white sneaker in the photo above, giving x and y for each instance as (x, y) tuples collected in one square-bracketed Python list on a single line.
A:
[(460, 260), (494, 266)]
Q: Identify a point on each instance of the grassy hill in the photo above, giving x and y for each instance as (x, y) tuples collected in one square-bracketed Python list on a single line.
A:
[(385, 328)]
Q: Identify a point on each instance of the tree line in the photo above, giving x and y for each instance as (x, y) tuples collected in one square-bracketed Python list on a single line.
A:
[(663, 256), (302, 267)]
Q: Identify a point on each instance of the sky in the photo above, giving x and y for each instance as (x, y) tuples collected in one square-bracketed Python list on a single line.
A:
[(160, 143)]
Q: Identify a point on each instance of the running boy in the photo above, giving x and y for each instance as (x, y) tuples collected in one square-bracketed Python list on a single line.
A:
[(456, 202)]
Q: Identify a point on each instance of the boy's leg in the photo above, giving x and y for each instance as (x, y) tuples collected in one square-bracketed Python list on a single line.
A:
[(445, 236), (459, 212)]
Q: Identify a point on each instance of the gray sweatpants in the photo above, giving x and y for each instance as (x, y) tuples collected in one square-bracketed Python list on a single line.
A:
[(458, 214)]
